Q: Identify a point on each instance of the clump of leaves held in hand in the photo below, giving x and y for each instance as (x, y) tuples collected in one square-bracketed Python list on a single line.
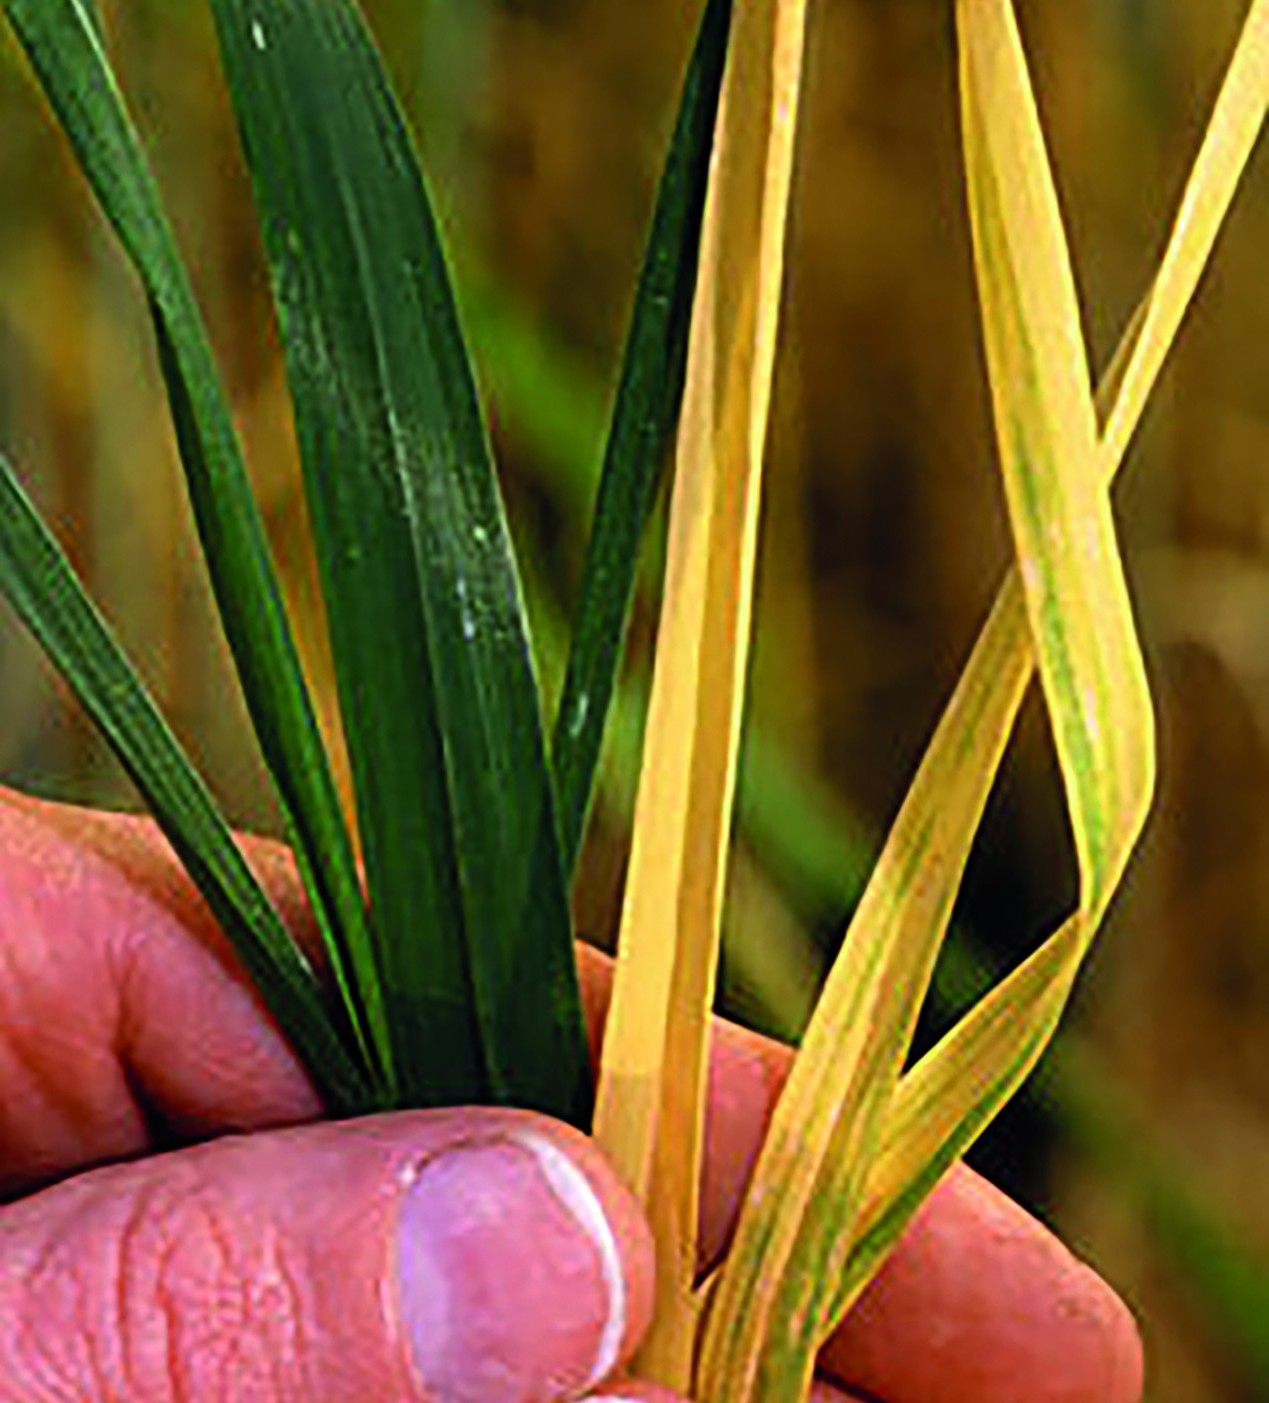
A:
[(452, 971)]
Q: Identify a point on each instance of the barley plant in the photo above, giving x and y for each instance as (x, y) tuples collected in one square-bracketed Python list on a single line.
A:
[(450, 949)]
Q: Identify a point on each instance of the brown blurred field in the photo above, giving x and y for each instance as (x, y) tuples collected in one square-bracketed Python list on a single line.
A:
[(1146, 1138)]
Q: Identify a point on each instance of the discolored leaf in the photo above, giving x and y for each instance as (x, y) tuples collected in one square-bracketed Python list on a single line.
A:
[(651, 1097)]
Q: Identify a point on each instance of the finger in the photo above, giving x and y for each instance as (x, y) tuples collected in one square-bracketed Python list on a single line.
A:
[(1005, 1310), (822, 1392), (120, 998), (483, 1256)]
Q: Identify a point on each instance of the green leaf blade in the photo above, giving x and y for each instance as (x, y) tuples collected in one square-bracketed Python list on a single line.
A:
[(648, 397), (439, 698)]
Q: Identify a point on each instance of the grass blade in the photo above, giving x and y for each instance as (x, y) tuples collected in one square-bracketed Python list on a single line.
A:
[(38, 581), (649, 1121), (953, 1092), (1228, 143), (63, 41), (427, 624), (647, 405)]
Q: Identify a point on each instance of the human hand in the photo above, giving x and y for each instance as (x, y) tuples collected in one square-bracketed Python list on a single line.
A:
[(464, 1256)]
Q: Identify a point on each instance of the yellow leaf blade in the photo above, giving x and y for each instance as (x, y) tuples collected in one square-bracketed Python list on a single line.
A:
[(1227, 147), (953, 1092), (650, 1123), (1071, 588)]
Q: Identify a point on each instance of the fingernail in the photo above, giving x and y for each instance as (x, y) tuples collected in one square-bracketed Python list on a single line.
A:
[(510, 1275)]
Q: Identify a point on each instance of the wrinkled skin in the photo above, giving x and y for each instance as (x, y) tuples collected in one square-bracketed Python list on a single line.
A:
[(465, 1256)]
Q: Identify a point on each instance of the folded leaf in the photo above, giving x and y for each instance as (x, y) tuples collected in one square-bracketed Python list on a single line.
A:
[(948, 1097)]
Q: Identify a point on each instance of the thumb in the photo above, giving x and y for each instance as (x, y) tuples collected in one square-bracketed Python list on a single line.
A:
[(439, 1257)]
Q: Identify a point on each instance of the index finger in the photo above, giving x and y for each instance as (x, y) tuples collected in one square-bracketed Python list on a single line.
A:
[(125, 1019)]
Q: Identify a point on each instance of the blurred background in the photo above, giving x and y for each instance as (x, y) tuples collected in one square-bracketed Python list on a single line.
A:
[(1144, 1139)]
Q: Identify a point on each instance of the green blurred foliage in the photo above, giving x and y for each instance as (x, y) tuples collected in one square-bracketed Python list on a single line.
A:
[(1145, 1139)]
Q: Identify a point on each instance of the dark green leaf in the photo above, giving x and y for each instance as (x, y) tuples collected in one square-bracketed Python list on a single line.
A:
[(37, 580), (427, 625), (646, 410), (63, 42)]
